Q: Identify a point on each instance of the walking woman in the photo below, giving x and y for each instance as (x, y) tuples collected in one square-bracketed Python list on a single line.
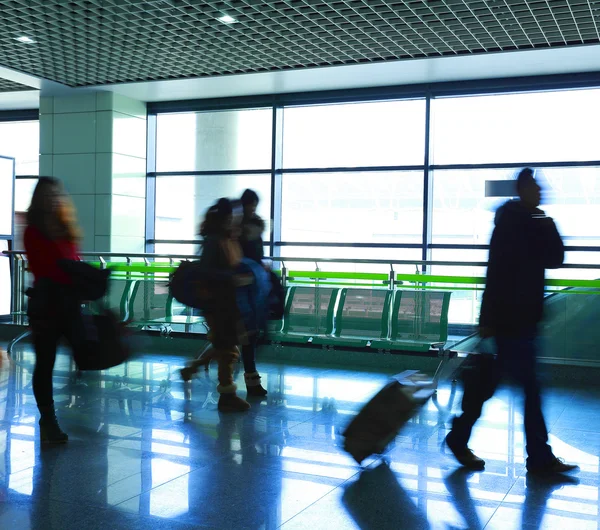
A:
[(220, 260), (54, 309)]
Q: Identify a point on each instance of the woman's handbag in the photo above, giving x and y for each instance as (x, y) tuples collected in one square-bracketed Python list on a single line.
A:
[(104, 341), (89, 282)]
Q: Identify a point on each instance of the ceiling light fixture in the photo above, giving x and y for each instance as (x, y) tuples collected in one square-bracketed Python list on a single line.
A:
[(227, 19), (25, 40)]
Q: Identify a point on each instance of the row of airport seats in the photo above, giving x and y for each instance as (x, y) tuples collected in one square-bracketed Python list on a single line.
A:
[(148, 303), (376, 318), (373, 318)]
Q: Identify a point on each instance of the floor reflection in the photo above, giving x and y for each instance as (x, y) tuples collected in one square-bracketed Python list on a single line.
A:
[(147, 451), (376, 499)]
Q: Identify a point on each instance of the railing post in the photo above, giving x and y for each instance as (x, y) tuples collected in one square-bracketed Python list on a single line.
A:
[(283, 274), (22, 272), (16, 295), (147, 288)]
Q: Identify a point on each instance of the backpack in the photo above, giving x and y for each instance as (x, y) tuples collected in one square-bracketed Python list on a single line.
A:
[(187, 286)]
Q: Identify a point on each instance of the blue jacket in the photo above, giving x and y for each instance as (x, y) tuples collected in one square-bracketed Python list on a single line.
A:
[(252, 300)]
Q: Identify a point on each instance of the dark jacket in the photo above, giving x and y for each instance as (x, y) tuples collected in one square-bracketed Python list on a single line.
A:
[(216, 266), (524, 244), (251, 238)]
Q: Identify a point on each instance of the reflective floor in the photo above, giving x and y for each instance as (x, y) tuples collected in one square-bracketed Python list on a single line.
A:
[(142, 456)]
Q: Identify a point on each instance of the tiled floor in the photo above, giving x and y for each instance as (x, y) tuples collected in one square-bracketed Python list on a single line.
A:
[(141, 456)]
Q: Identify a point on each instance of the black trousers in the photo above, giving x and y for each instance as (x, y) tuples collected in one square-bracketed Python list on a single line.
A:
[(249, 354), (54, 313), (516, 357)]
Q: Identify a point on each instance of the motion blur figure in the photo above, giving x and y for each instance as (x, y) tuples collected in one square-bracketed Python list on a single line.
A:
[(252, 246), (54, 309), (524, 244), (220, 261)]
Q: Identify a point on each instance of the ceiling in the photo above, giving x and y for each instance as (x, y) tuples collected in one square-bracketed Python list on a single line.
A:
[(89, 43), (10, 86)]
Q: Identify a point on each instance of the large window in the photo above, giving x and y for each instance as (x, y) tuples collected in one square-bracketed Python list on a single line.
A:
[(551, 130), (359, 180), (529, 127), (214, 141), (389, 133), (21, 140), (324, 201), (203, 156), (380, 207), (181, 201)]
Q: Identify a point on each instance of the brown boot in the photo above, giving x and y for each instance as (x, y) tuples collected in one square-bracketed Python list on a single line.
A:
[(229, 401), (253, 386)]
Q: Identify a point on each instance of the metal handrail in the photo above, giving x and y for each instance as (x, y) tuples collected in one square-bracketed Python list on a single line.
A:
[(281, 259)]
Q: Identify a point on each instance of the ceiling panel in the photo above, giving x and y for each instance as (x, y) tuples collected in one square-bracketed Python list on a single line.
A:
[(82, 43), (11, 86)]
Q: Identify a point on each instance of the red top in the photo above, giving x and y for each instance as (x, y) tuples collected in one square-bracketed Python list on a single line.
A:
[(43, 255)]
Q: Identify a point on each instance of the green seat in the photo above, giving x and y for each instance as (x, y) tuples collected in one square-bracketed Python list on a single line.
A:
[(152, 305), (419, 320), (275, 327), (118, 297), (308, 314), (188, 319), (362, 317)]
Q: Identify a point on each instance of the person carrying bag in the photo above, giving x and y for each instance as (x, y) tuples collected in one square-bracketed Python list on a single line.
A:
[(61, 284)]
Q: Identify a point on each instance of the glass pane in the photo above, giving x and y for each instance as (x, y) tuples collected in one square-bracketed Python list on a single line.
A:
[(465, 303), (21, 141), (177, 249), (461, 212), (377, 207), (24, 189), (23, 193), (214, 141), (384, 133), (6, 195), (393, 254), (572, 198), (181, 202), (577, 258), (463, 215), (530, 127)]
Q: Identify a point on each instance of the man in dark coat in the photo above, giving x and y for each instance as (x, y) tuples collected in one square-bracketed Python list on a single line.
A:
[(524, 244)]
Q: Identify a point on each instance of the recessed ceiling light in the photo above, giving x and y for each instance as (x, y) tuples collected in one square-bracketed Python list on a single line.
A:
[(25, 40), (226, 19)]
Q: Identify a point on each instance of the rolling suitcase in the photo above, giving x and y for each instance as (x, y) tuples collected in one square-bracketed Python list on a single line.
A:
[(380, 420)]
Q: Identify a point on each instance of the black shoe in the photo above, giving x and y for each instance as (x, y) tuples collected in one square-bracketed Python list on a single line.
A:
[(466, 457), (557, 465), (50, 431), (253, 386), (256, 391)]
